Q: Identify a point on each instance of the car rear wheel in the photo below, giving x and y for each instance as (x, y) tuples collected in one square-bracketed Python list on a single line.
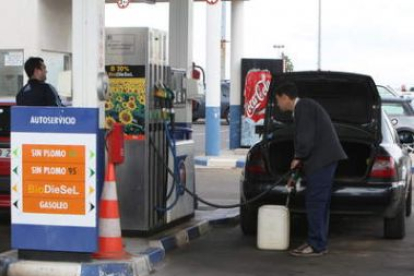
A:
[(394, 228), (248, 219)]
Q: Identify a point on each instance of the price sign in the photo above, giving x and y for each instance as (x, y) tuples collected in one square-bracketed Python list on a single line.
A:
[(54, 178)]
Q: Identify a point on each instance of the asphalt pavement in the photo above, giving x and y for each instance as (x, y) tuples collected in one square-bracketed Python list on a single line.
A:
[(145, 253), (356, 248)]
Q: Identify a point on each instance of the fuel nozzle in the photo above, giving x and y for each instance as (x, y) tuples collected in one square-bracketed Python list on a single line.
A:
[(293, 179)]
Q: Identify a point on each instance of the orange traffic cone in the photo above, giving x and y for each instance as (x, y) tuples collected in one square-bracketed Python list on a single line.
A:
[(110, 240)]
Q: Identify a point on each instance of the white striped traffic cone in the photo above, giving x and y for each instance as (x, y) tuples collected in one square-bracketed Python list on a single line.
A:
[(110, 239)]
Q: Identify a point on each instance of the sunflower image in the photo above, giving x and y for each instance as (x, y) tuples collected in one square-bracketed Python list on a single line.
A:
[(125, 117), (131, 105), (109, 122), (109, 105), (132, 98), (141, 98)]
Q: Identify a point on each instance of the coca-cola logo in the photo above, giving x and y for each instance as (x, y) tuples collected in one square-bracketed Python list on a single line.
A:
[(256, 89)]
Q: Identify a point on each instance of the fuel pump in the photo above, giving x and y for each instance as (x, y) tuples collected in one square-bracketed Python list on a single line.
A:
[(145, 93)]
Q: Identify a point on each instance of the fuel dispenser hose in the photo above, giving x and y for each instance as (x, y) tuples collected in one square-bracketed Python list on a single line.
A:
[(180, 188)]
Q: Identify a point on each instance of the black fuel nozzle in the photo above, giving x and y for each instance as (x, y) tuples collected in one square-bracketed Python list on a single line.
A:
[(293, 179)]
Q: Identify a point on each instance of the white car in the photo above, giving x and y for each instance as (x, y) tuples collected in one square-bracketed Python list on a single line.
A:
[(387, 91)]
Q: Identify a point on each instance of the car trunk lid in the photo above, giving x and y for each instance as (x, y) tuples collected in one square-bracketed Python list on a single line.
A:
[(351, 100)]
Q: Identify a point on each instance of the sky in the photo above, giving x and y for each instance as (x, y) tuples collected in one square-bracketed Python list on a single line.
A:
[(373, 37)]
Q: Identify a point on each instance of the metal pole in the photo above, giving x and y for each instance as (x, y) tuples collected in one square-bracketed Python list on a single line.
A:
[(236, 55), (279, 49), (180, 51), (319, 32), (282, 55), (223, 40), (213, 79)]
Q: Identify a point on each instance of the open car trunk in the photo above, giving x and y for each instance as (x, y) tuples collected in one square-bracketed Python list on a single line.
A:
[(350, 99), (353, 104), (353, 168)]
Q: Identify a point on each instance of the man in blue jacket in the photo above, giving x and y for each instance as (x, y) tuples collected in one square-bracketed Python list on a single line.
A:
[(37, 92), (317, 152)]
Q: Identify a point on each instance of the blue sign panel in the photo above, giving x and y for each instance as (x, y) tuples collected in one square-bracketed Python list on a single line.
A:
[(53, 119), (54, 167)]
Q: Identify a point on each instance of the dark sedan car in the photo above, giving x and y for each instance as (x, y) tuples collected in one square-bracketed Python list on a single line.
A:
[(199, 104), (374, 180)]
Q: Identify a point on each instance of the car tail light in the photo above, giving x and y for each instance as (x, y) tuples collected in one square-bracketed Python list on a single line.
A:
[(384, 167), (256, 163)]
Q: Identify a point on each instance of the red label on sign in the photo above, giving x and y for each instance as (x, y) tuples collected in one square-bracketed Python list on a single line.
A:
[(256, 88)]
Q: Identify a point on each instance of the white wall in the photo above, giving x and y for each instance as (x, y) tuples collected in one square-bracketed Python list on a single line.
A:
[(35, 25), (18, 26), (55, 25), (38, 28)]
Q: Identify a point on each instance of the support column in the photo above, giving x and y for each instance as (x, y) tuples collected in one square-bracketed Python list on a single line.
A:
[(88, 47), (223, 41), (237, 42), (213, 79), (181, 49)]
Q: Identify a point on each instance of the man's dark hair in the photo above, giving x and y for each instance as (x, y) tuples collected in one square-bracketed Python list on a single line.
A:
[(31, 64), (287, 88)]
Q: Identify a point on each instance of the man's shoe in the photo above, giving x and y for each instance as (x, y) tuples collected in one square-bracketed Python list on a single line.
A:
[(306, 250), (300, 248)]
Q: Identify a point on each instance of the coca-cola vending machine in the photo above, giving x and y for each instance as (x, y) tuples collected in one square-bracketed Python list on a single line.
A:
[(256, 77)]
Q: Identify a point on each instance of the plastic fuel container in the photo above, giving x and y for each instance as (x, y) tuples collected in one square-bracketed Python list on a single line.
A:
[(273, 227)]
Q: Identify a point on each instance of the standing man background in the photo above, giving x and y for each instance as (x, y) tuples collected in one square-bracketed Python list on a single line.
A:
[(37, 92), (317, 152)]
